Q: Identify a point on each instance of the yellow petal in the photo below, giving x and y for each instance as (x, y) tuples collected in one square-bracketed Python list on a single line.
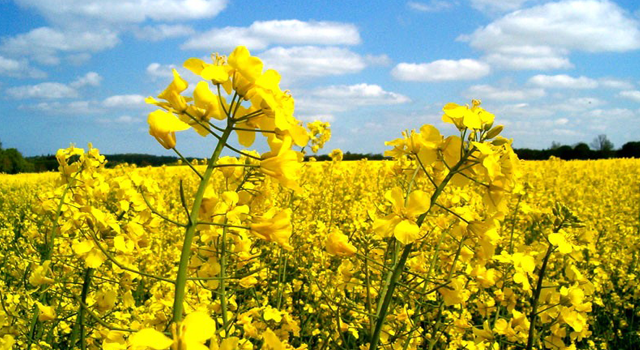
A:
[(199, 326), (217, 74), (150, 338), (271, 341), (396, 198), (165, 122), (418, 203), (406, 232), (195, 65)]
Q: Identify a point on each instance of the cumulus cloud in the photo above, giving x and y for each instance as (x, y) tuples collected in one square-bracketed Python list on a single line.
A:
[(123, 119), (633, 95), (312, 61), (79, 28), (262, 34), (313, 117), (19, 69), (541, 37), (162, 32), (124, 101), (441, 70), (66, 108), (42, 90), (563, 81), (44, 44), (494, 6), (537, 61), (431, 6), (89, 79), (340, 98), (615, 84), (118, 12), (489, 93)]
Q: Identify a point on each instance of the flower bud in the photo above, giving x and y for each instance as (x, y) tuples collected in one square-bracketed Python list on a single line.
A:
[(494, 132)]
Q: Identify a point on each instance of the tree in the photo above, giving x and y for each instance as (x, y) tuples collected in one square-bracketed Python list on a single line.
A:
[(602, 143), (581, 151), (12, 162), (630, 150)]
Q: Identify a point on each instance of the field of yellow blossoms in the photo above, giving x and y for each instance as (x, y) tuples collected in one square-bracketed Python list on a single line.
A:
[(453, 243)]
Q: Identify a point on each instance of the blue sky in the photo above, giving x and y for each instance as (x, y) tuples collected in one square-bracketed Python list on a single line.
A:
[(76, 71)]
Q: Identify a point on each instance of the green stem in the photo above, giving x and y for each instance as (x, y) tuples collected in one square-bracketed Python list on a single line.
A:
[(382, 314), (78, 328), (536, 295), (181, 278), (187, 162), (222, 283), (399, 265)]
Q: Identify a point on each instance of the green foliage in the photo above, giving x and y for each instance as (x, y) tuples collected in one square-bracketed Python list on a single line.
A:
[(12, 162)]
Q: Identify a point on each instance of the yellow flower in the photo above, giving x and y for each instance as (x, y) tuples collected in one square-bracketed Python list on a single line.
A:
[(46, 313), (402, 221), (464, 117), (172, 93), (163, 126), (218, 72), (282, 163), (247, 70), (274, 227), (338, 244), (39, 275), (190, 334), (336, 155), (560, 240)]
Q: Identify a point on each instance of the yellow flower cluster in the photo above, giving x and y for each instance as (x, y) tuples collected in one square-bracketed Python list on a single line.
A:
[(452, 244)]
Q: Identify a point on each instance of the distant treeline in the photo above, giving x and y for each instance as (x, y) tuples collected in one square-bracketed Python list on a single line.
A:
[(12, 161), (49, 162), (601, 148)]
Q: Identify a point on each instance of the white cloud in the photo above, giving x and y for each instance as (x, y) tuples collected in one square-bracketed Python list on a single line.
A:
[(89, 79), (488, 93), (163, 31), (563, 81), (615, 84), (156, 70), (19, 69), (313, 117), (42, 90), (542, 36), (631, 94), (82, 27), (377, 60), (262, 34), (124, 101), (340, 98), (312, 61), (612, 114), (44, 44), (441, 70), (123, 119), (68, 12), (493, 6), (517, 62), (432, 6), (69, 108)]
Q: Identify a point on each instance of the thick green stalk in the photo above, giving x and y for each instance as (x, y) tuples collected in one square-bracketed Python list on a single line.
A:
[(382, 314), (222, 285), (536, 295), (78, 328), (389, 287), (181, 279)]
